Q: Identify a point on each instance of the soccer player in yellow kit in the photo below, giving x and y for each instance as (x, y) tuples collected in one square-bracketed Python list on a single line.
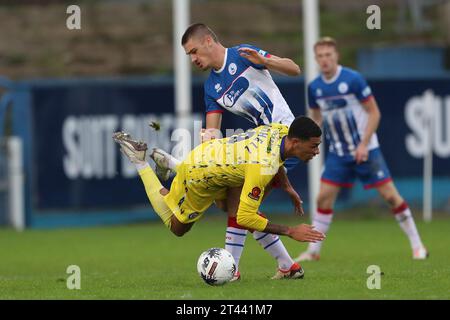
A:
[(250, 160)]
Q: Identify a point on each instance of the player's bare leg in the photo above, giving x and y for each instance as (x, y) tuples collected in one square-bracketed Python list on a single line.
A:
[(322, 219), (403, 215), (135, 151)]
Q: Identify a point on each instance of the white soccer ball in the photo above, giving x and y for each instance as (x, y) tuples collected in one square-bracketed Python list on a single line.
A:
[(216, 266)]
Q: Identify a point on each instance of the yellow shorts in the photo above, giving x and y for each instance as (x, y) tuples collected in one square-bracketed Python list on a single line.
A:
[(189, 197)]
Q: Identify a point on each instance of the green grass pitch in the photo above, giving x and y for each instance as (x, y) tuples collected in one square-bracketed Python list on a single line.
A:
[(145, 261)]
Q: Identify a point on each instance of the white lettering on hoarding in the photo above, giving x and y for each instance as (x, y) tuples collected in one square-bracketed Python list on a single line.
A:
[(89, 147), (91, 153), (415, 117)]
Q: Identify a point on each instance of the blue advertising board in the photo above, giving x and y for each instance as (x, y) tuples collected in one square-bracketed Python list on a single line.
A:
[(75, 170)]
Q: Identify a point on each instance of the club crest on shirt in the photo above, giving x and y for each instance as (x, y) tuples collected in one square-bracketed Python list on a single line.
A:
[(343, 87), (232, 68), (255, 194)]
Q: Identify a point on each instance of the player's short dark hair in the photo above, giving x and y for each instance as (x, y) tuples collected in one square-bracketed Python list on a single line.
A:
[(304, 128), (198, 29)]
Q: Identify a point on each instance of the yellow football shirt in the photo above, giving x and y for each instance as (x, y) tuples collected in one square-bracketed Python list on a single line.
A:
[(250, 160)]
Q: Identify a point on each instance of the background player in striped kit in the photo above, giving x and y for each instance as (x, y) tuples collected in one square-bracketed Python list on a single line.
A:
[(240, 82), (342, 101)]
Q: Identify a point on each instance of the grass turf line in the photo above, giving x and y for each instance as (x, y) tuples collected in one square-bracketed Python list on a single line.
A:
[(145, 261)]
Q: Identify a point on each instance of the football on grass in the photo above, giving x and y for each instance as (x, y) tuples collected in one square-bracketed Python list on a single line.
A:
[(216, 266)]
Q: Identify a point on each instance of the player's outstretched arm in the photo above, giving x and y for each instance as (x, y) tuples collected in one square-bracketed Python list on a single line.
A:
[(301, 232), (282, 65), (305, 233)]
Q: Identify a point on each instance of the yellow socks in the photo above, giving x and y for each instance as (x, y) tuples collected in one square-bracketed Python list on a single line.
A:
[(152, 188)]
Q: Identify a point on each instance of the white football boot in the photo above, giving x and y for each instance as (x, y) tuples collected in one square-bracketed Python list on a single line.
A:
[(294, 272), (165, 163), (134, 150), (420, 253)]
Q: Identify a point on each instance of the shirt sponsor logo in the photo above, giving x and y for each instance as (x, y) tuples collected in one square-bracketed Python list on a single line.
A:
[(233, 94), (255, 194)]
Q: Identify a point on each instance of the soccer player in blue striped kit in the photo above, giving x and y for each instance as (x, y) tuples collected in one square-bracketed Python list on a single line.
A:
[(240, 82), (342, 102)]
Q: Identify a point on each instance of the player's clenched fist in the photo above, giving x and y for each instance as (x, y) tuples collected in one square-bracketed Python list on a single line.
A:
[(305, 233)]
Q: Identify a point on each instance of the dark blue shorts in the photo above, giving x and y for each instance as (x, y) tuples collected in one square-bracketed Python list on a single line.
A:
[(342, 171)]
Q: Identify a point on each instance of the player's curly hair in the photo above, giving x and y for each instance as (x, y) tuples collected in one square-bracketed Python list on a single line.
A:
[(304, 128), (198, 29)]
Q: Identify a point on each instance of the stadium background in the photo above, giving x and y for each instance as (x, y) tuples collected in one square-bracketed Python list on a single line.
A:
[(65, 91)]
